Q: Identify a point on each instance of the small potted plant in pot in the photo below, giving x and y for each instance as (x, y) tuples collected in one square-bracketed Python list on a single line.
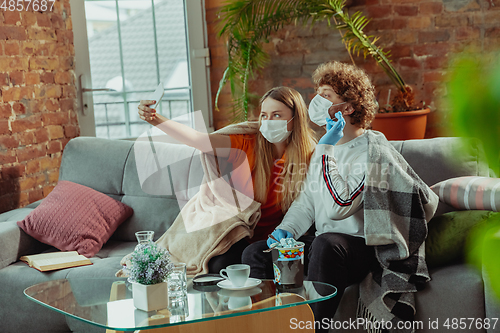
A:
[(402, 119), (147, 268)]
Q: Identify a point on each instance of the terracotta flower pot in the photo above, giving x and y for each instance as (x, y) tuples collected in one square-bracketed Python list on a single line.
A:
[(402, 125)]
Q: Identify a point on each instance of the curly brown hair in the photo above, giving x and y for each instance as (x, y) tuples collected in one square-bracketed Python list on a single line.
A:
[(352, 85)]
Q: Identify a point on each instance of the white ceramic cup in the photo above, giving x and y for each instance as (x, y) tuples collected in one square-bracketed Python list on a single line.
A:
[(238, 274), (240, 303)]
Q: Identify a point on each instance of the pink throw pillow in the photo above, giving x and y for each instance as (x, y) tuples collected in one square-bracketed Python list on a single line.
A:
[(470, 193), (74, 217)]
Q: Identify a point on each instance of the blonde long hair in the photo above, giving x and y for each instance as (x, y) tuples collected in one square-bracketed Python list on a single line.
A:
[(300, 145)]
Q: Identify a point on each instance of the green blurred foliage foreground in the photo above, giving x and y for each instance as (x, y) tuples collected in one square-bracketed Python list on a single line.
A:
[(474, 99)]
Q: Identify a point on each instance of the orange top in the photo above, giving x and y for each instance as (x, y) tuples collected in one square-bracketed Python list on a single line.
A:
[(243, 147)]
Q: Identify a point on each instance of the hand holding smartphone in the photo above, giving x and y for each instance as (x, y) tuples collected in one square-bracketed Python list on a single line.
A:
[(157, 96)]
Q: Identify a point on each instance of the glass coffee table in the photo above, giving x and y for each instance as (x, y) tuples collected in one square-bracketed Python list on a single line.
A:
[(108, 303)]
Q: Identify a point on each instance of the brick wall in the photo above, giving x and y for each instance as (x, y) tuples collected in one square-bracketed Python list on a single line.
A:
[(421, 35), (218, 58), (37, 102)]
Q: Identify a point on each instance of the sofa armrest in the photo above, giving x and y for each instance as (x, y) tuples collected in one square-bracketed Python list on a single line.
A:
[(33, 205), (491, 302), (14, 243)]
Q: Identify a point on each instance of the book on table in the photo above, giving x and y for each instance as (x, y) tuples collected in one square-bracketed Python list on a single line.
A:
[(55, 260)]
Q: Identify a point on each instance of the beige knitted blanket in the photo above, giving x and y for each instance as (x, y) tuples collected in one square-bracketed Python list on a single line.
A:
[(213, 220)]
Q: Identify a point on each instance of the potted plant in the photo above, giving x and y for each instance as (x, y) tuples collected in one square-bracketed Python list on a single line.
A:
[(247, 24), (474, 102), (147, 268)]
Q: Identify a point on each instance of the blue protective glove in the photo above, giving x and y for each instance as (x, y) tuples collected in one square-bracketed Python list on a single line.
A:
[(278, 234), (334, 130)]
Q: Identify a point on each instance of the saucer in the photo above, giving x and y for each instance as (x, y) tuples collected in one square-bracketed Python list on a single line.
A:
[(251, 282), (240, 293)]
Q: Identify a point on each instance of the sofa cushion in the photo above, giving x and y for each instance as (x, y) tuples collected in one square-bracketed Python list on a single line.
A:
[(438, 159), (158, 194), (470, 192), (15, 214), (454, 291), (14, 243), (20, 314), (96, 163), (448, 234), (75, 217)]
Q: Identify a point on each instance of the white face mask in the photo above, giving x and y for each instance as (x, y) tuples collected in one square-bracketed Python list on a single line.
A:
[(275, 131), (318, 109)]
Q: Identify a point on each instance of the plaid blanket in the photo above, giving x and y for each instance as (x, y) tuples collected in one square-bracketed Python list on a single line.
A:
[(397, 207)]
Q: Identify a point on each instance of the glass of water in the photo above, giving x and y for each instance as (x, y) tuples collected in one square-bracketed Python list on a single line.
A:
[(177, 283), (144, 236), (179, 309)]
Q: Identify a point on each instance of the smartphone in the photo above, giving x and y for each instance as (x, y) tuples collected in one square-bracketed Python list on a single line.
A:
[(157, 96)]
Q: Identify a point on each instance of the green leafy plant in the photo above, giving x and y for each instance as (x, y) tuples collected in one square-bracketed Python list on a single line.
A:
[(149, 264), (474, 100), (247, 25)]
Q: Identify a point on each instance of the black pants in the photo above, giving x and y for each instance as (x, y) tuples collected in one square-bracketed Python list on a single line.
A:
[(337, 259), (231, 257)]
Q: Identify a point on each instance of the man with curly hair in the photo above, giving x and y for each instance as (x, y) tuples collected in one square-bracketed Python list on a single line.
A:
[(350, 90), (366, 216), (332, 196)]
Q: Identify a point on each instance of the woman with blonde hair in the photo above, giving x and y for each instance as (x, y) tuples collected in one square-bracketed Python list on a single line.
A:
[(278, 153)]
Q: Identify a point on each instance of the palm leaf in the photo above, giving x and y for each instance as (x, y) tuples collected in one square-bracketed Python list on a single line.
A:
[(247, 25), (356, 39)]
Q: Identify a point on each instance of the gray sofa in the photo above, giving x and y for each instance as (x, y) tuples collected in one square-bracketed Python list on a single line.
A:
[(109, 166)]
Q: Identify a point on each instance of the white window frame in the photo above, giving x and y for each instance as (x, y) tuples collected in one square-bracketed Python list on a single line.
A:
[(198, 55)]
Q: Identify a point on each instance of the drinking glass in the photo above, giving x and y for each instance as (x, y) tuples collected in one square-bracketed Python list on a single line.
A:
[(179, 309), (144, 236), (177, 283)]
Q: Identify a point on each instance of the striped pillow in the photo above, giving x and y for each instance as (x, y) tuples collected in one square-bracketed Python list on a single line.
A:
[(471, 193)]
